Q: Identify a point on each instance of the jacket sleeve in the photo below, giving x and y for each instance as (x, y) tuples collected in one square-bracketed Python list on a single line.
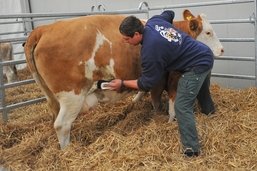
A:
[(168, 15), (153, 68), (150, 76)]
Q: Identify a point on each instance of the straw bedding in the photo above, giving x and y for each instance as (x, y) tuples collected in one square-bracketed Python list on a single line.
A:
[(123, 136)]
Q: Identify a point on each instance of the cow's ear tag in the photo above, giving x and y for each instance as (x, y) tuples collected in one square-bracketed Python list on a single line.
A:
[(189, 18)]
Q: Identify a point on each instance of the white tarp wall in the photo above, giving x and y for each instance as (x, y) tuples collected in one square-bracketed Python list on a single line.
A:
[(12, 7)]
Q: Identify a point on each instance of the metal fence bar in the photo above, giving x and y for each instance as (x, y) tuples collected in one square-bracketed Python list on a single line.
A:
[(19, 39), (13, 62), (237, 39), (232, 21), (18, 83), (16, 32), (235, 58), (21, 104), (247, 77), (18, 53), (28, 15), (199, 4), (249, 20), (15, 43), (30, 20), (255, 24), (11, 22)]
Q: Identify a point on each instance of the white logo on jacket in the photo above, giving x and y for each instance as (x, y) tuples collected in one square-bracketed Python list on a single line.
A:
[(169, 33)]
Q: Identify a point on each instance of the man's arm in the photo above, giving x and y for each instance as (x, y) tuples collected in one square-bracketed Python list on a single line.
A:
[(118, 84), (168, 15)]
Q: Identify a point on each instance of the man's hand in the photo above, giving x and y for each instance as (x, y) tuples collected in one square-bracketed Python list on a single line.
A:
[(121, 85), (116, 84)]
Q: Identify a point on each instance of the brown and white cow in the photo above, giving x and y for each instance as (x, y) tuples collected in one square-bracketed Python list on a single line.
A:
[(6, 54), (67, 58), (200, 29)]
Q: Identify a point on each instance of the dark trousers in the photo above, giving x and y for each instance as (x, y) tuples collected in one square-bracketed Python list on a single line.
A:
[(192, 85), (204, 97)]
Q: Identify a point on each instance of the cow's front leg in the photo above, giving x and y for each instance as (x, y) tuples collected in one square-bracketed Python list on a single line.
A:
[(138, 96), (172, 91), (171, 110)]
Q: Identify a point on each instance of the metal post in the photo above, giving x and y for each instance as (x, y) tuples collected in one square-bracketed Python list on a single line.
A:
[(255, 26), (93, 8), (147, 7), (2, 94), (99, 7)]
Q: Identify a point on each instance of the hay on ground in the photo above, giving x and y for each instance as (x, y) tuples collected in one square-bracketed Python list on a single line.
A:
[(122, 136)]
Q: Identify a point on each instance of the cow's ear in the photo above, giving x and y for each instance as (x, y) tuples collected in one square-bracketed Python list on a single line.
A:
[(193, 24), (188, 15)]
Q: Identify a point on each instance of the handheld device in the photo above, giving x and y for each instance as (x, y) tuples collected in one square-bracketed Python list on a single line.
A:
[(104, 86)]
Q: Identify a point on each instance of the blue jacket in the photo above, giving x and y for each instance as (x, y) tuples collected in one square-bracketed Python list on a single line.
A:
[(165, 48)]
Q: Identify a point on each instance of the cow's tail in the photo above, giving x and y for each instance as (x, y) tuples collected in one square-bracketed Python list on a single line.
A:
[(30, 46)]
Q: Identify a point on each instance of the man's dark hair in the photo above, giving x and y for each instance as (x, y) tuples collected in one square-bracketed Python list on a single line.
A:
[(130, 25)]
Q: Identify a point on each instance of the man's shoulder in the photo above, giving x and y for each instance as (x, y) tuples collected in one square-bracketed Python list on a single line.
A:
[(167, 15)]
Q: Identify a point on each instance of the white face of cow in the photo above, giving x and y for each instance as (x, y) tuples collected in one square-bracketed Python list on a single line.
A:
[(208, 37)]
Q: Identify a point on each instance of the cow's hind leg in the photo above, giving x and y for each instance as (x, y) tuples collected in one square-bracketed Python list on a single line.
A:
[(156, 93), (70, 106)]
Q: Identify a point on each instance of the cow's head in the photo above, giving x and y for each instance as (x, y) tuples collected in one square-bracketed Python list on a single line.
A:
[(205, 30)]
